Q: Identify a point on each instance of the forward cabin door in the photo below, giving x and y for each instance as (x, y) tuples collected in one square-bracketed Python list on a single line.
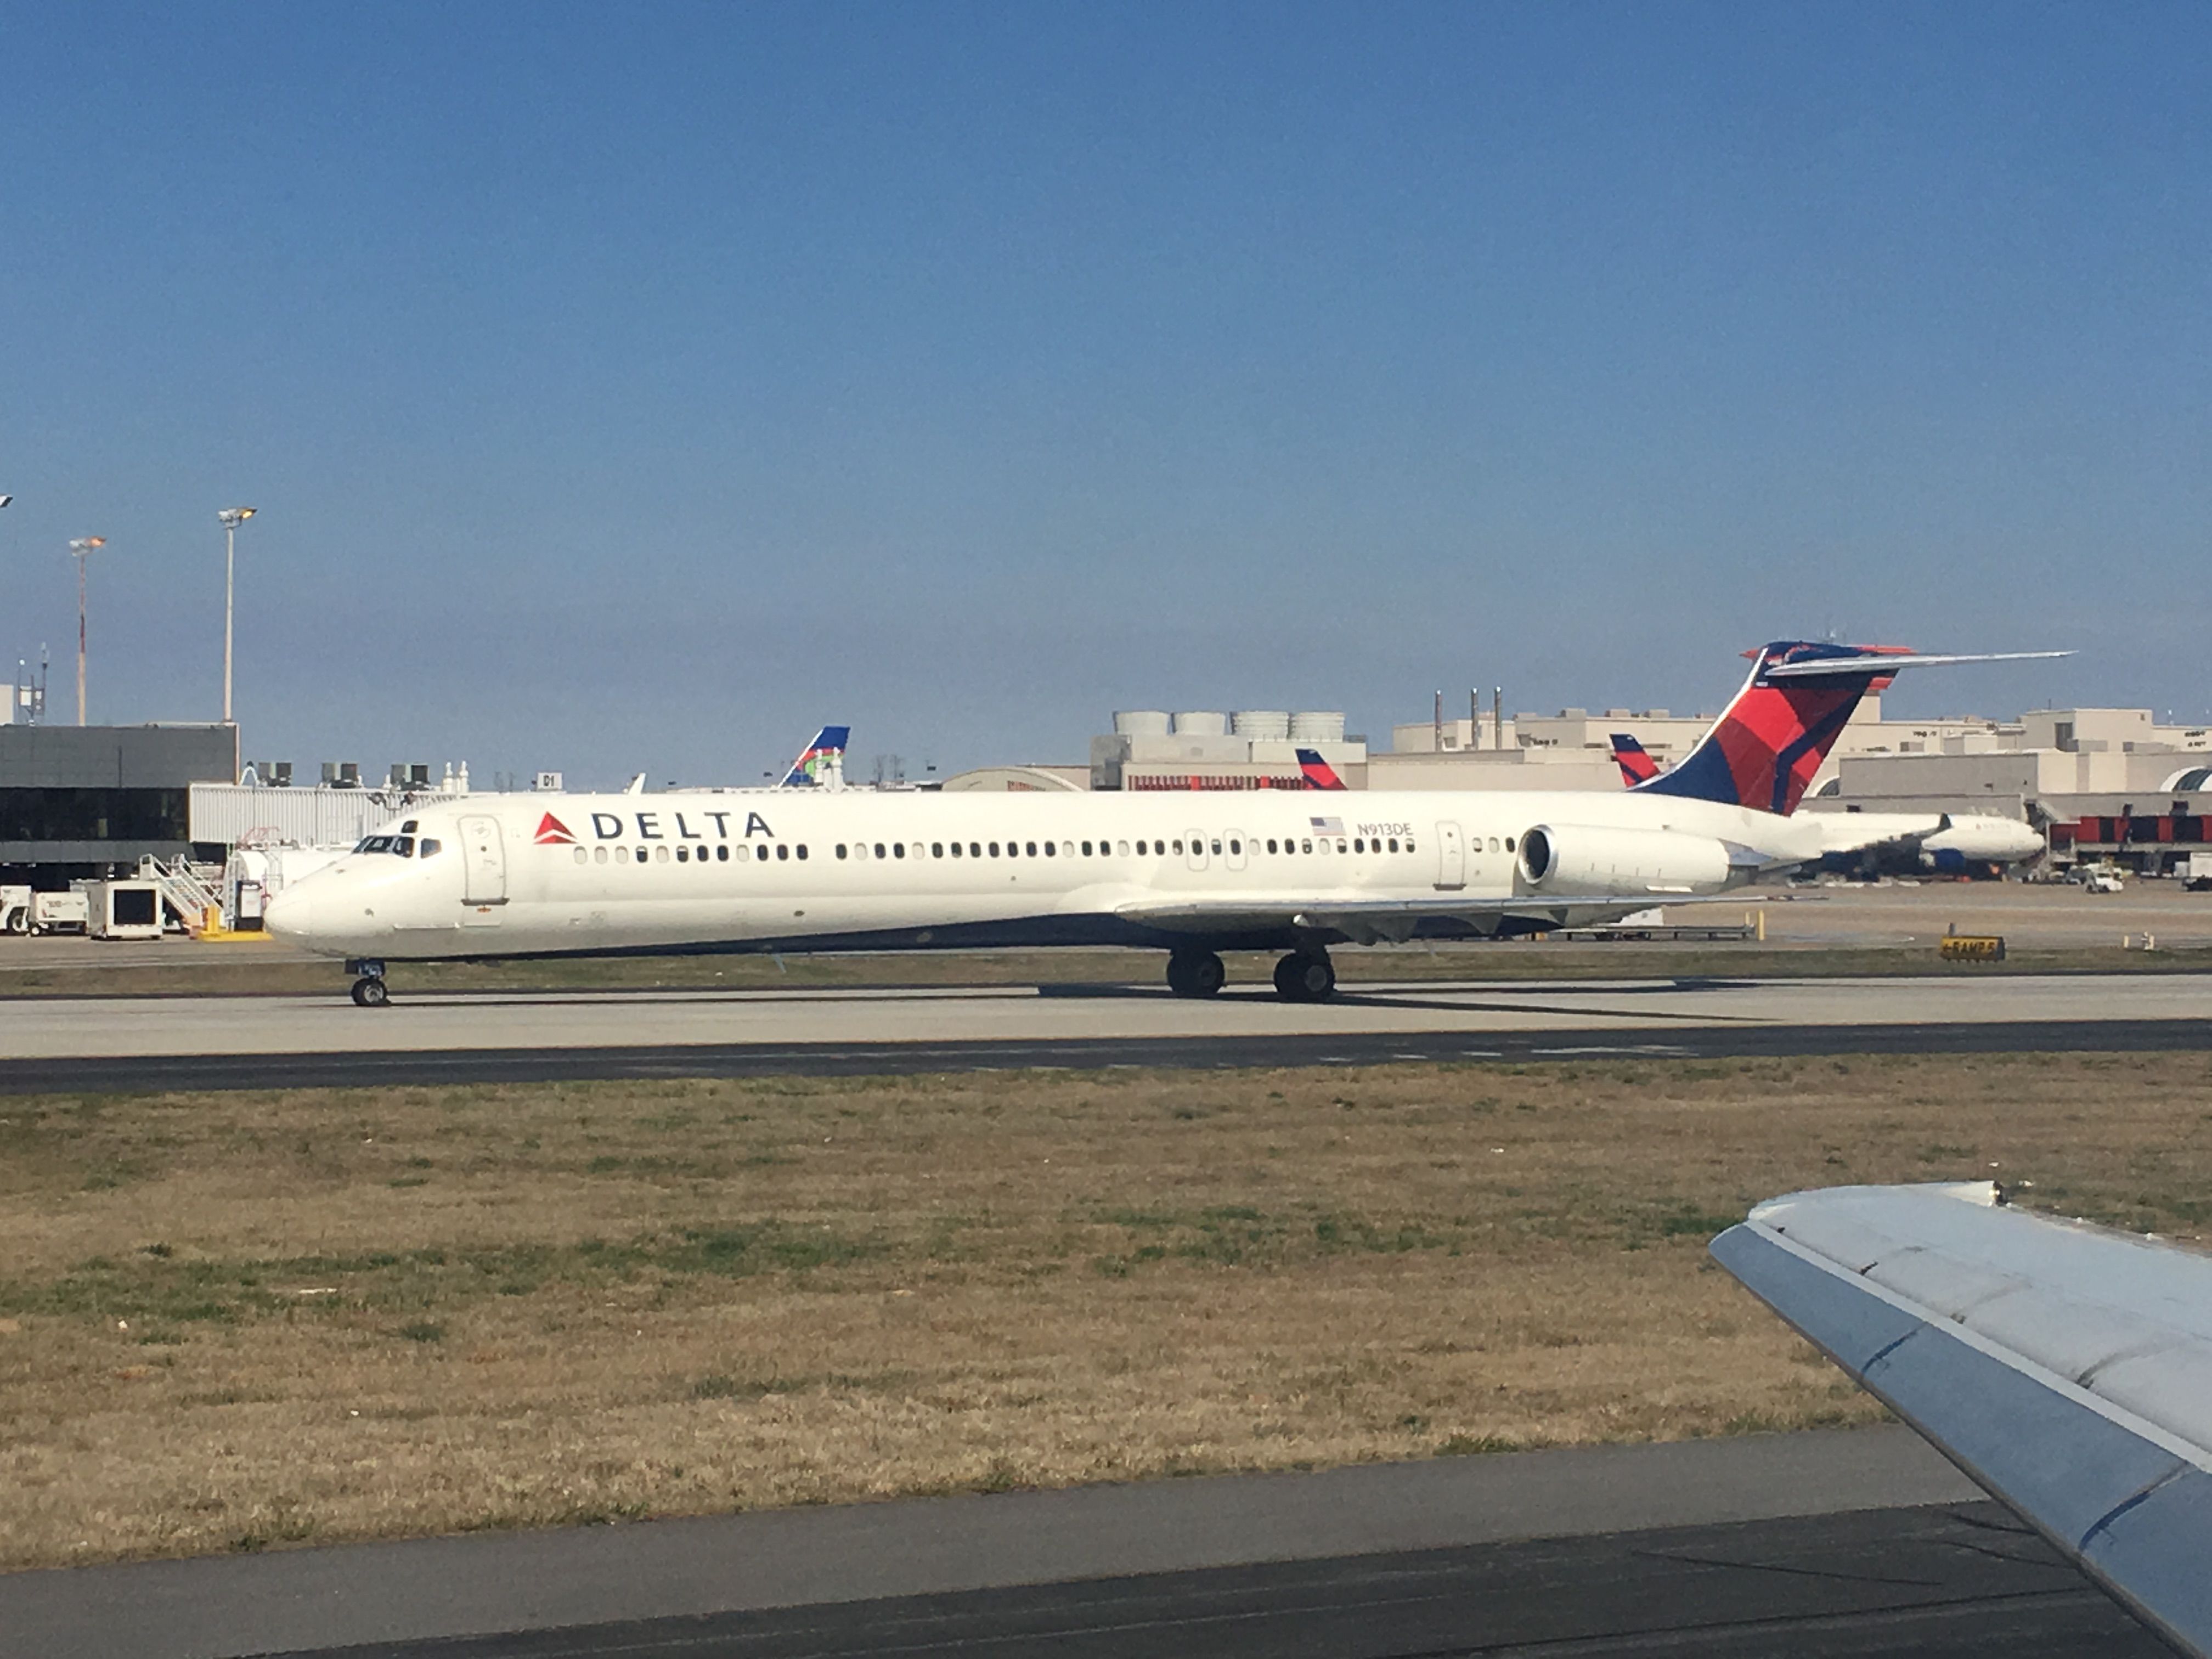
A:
[(483, 869), (1451, 857)]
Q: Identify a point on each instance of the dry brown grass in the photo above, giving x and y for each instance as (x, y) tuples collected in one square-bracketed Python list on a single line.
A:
[(234, 1319)]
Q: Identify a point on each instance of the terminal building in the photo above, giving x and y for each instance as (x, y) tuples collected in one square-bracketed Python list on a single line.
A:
[(80, 802)]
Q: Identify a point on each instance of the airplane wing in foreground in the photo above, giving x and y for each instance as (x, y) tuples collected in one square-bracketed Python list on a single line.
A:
[(2066, 1367)]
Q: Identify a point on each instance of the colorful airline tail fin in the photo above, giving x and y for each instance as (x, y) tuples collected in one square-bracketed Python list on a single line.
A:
[(827, 749), (1634, 760), (1769, 742), (1766, 746), (1319, 774)]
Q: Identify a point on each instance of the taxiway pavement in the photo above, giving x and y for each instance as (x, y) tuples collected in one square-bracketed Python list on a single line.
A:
[(1834, 1541), (302, 1042)]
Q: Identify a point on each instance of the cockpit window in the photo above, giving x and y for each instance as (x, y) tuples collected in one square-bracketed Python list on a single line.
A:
[(375, 844), (404, 846), (429, 849), (399, 846)]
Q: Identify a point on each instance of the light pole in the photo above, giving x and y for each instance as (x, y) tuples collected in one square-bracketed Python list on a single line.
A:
[(231, 518), (81, 550)]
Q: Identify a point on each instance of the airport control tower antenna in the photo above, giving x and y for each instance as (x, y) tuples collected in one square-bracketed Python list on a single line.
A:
[(81, 549)]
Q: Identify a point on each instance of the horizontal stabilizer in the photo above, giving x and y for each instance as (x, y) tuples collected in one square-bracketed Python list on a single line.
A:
[(1830, 667)]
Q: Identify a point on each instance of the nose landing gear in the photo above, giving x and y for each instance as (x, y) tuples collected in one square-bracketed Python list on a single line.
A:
[(1305, 977), (368, 990), (1195, 974)]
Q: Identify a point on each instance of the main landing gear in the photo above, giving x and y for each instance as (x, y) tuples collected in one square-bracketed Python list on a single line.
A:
[(368, 990), (1305, 977), (1195, 974)]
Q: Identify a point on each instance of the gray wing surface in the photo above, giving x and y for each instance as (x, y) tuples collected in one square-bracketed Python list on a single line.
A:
[(2066, 1367), (1368, 920)]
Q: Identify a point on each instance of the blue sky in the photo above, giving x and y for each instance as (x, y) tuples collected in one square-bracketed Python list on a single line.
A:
[(636, 387)]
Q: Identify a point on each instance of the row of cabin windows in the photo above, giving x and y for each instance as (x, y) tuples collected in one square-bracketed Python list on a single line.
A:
[(686, 856), (974, 849)]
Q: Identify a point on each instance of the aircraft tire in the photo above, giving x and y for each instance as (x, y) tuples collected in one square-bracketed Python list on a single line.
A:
[(1300, 977), (370, 994), (1196, 973)]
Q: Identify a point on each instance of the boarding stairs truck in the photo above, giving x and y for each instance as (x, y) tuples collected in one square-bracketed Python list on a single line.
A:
[(196, 900)]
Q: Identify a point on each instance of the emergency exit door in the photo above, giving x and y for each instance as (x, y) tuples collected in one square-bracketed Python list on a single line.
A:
[(1451, 857), (483, 864)]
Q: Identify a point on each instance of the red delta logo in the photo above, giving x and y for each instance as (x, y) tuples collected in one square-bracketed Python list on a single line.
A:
[(551, 832)]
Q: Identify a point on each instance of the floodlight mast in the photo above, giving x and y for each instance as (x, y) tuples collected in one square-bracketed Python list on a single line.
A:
[(230, 518), (81, 550)]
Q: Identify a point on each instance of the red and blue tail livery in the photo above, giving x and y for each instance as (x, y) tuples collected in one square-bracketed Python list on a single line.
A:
[(1319, 774), (1767, 745), (1634, 760), (828, 747)]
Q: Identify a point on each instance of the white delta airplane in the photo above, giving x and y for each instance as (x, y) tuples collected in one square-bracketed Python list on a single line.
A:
[(1193, 875), (1890, 843)]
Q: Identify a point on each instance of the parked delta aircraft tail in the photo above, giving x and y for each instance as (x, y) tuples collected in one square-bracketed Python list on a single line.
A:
[(827, 749), (1319, 774), (1769, 742), (1634, 760)]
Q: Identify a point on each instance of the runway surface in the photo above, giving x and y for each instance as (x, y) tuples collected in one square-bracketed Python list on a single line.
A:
[(1838, 1542), (109, 1043)]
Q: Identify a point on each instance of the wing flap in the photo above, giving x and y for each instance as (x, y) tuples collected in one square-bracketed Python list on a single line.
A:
[(2067, 1370)]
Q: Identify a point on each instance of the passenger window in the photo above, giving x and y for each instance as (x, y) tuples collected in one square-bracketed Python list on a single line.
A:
[(1140, 849), (840, 850), (1305, 846), (879, 849), (899, 850), (583, 853), (759, 853), (1271, 846), (937, 848), (1049, 849), (722, 854), (599, 855), (1086, 849), (621, 855), (661, 853), (408, 828), (1178, 844), (782, 853), (1217, 848), (1357, 845), (1030, 848), (1409, 846), (956, 850), (683, 855), (994, 849), (975, 850), (1123, 848), (1393, 844), (802, 850), (1236, 848), (1493, 843)]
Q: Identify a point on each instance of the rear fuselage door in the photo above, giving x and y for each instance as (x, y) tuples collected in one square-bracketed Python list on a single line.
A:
[(483, 860), (1451, 857)]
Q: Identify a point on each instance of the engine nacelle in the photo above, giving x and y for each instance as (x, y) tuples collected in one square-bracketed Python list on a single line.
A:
[(1572, 859)]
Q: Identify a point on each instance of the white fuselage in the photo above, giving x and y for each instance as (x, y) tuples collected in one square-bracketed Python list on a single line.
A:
[(537, 874)]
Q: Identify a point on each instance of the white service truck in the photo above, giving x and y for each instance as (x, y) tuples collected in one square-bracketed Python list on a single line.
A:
[(2196, 872), (14, 909)]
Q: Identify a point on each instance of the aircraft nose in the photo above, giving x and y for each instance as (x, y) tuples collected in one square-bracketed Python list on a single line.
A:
[(289, 916)]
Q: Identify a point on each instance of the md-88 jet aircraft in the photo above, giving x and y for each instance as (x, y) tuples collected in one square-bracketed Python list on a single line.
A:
[(1193, 875)]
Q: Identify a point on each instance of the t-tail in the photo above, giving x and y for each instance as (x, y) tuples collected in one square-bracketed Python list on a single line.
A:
[(1768, 743), (820, 760), (1634, 760), (1319, 774)]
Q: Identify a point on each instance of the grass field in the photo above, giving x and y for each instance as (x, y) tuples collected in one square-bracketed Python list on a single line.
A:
[(254, 969), (232, 1321)]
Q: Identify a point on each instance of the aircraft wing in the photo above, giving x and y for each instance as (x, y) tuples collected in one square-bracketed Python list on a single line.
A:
[(2066, 1367), (1371, 921)]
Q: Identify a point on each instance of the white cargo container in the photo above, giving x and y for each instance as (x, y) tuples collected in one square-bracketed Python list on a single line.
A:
[(123, 909)]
